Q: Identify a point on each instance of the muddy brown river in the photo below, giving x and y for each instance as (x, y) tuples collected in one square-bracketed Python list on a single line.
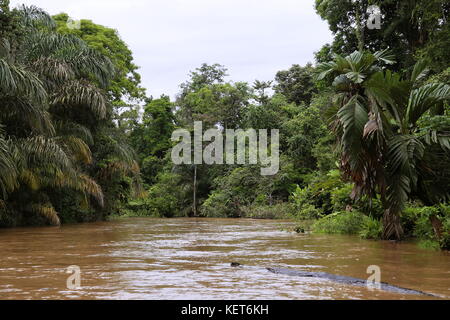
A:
[(141, 258)]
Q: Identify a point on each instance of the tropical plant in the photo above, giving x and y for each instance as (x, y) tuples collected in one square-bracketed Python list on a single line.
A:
[(52, 93), (376, 115)]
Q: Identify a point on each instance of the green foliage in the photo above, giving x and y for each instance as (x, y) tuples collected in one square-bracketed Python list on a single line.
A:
[(340, 197), (54, 112), (429, 244), (276, 211), (372, 229), (409, 28), (303, 209), (152, 206), (216, 104), (328, 192), (237, 189), (341, 223), (303, 132), (423, 228), (244, 187), (422, 222), (308, 212), (296, 84), (151, 138), (218, 205), (125, 85), (378, 113)]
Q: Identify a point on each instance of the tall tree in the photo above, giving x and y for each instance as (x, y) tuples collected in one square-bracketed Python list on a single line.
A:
[(125, 86), (296, 84), (53, 95), (406, 26), (151, 138)]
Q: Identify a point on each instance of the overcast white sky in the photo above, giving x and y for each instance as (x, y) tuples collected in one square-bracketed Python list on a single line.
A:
[(253, 38)]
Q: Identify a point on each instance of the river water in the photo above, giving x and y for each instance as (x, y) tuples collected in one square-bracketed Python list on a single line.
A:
[(141, 258)]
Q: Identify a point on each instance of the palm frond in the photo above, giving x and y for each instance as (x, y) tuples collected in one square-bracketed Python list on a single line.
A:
[(71, 51), (33, 16), (76, 147), (5, 49), (420, 71), (14, 79), (30, 179), (403, 154), (34, 114), (70, 128), (87, 61), (353, 117), (53, 69), (424, 98), (90, 187), (43, 151), (385, 56), (324, 69), (80, 93), (46, 210), (8, 169)]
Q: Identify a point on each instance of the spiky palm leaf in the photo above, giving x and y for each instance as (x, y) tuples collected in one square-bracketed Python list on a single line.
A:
[(75, 147), (377, 128), (424, 98), (16, 80), (80, 93), (357, 66), (54, 70), (70, 51), (35, 115), (70, 128), (8, 169), (46, 210), (33, 16), (42, 151)]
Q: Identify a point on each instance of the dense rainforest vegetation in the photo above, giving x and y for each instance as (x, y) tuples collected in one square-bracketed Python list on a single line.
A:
[(364, 131)]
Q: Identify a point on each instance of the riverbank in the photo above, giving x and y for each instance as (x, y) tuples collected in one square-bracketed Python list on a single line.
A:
[(430, 226)]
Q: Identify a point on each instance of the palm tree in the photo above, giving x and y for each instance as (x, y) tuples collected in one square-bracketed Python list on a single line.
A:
[(53, 93), (376, 120)]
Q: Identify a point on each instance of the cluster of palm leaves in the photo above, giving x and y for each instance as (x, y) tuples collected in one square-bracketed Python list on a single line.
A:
[(376, 118), (52, 93)]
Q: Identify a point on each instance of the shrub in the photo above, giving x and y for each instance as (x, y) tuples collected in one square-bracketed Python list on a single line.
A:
[(276, 211), (370, 206), (341, 223), (302, 208), (445, 241), (340, 197), (218, 205), (372, 229), (308, 212), (152, 206), (417, 223), (429, 244)]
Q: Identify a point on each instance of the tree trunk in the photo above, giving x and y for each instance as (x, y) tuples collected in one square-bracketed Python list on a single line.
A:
[(437, 227), (392, 227), (194, 205), (359, 28)]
